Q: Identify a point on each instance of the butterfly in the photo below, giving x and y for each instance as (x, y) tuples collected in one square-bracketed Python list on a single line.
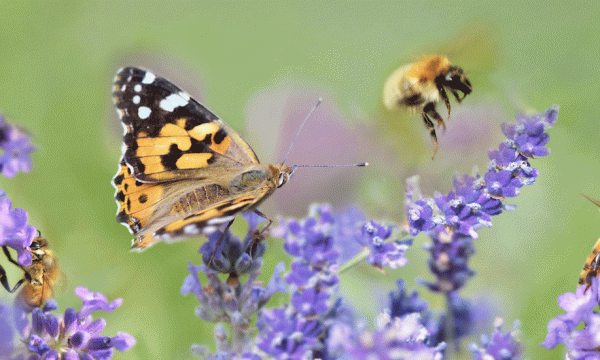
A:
[(184, 172), (592, 263)]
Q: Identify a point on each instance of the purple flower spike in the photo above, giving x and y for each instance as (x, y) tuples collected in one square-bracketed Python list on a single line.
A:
[(234, 256), (449, 261), (17, 148), (403, 336), (502, 184), (276, 324), (383, 253), (452, 220), (14, 231), (581, 344), (49, 336), (500, 345), (95, 301)]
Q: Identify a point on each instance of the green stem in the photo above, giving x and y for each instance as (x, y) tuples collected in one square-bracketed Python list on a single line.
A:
[(354, 261)]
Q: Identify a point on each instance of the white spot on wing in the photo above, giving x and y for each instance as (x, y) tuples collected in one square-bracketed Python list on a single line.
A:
[(137, 88), (136, 99), (148, 78), (144, 112), (220, 220), (166, 105), (190, 229), (172, 101), (209, 229), (185, 96), (123, 88)]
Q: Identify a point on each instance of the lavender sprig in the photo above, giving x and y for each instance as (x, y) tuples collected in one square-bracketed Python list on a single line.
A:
[(452, 220), (15, 232), (301, 328), (399, 337), (505, 346), (581, 343), (232, 301), (74, 335), (17, 149)]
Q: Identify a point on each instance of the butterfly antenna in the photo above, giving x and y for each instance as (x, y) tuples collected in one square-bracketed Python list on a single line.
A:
[(300, 129), (342, 165)]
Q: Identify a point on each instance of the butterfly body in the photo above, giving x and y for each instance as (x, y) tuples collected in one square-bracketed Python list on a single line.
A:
[(184, 172)]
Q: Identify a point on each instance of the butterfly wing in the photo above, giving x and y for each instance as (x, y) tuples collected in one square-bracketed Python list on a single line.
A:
[(170, 136), (184, 172), (179, 209)]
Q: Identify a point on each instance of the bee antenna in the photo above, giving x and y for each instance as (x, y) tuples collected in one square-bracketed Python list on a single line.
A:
[(300, 129)]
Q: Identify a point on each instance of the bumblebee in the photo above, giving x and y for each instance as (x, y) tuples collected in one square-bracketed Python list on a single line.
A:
[(39, 277), (590, 267), (419, 86)]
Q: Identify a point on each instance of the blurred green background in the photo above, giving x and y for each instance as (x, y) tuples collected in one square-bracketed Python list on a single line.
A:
[(261, 66)]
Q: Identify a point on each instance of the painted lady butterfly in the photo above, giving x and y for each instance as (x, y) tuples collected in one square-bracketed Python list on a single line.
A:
[(184, 172)]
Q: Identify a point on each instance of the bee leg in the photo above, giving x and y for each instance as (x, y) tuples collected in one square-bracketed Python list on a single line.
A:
[(9, 257), (430, 111), (4, 281), (431, 128), (212, 256), (444, 96), (457, 96)]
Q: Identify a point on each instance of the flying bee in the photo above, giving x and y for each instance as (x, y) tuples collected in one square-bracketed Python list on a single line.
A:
[(590, 268), (39, 277), (420, 85)]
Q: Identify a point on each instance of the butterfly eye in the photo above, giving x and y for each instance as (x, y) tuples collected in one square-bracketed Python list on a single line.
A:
[(283, 177)]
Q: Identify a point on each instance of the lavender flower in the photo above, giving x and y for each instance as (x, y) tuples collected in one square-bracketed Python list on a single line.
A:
[(401, 338), (14, 231), (382, 254), (232, 301), (584, 343), (17, 147), (232, 256), (467, 207), (301, 329), (74, 335), (452, 220), (506, 346)]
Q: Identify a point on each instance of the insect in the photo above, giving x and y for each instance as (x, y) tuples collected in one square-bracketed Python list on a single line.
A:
[(39, 277), (420, 85), (590, 267), (184, 172)]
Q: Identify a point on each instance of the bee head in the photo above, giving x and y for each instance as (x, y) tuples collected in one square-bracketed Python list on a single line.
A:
[(455, 78)]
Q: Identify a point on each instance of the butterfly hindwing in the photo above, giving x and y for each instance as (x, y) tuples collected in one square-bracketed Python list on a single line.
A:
[(203, 222), (169, 135)]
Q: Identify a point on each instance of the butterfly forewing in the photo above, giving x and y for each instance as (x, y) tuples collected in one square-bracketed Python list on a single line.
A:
[(184, 172), (170, 136)]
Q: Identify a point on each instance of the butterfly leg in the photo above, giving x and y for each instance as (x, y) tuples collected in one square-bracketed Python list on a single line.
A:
[(259, 234), (219, 242), (259, 213)]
